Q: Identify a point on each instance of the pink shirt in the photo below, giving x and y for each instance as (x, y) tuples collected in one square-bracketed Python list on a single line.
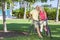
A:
[(42, 15)]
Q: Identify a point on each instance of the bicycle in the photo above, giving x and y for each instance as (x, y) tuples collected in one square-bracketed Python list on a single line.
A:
[(48, 32)]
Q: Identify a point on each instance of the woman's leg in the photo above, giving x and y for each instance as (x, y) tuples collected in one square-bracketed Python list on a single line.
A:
[(41, 26)]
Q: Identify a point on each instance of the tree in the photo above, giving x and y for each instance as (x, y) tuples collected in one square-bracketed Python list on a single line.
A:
[(25, 7), (57, 14), (4, 15), (44, 0), (29, 2), (3, 12)]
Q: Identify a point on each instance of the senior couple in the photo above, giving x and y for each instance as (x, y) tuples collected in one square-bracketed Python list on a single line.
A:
[(39, 17)]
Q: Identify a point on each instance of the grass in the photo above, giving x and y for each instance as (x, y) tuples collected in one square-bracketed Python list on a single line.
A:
[(20, 25)]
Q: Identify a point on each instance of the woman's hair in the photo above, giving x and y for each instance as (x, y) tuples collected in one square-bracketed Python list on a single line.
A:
[(42, 8)]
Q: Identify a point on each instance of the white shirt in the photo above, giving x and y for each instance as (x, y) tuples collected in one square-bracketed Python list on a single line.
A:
[(34, 14)]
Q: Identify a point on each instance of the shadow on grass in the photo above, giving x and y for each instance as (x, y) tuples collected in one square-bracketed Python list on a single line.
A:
[(18, 29), (15, 30)]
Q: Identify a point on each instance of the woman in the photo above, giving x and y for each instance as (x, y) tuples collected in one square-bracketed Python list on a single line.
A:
[(43, 19)]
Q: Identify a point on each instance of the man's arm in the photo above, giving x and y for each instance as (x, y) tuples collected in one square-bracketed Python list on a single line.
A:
[(30, 16)]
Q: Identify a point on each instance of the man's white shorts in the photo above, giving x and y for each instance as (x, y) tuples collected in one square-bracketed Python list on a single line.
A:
[(36, 23)]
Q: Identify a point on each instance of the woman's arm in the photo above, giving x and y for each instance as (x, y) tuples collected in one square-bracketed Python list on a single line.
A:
[(45, 15)]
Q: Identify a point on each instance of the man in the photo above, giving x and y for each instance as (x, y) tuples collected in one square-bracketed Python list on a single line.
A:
[(34, 16)]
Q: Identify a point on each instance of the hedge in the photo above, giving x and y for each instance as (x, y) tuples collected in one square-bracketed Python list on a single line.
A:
[(51, 13), (18, 13)]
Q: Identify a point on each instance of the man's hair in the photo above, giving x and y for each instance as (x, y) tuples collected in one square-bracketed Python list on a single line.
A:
[(37, 6)]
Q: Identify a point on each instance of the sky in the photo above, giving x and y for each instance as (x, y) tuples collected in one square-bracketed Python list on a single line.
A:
[(54, 4), (16, 6)]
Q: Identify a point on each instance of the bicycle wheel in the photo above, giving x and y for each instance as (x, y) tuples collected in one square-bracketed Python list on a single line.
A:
[(48, 33)]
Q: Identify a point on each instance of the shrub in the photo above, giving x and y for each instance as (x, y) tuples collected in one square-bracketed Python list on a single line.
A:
[(27, 14), (18, 13), (51, 13), (59, 14)]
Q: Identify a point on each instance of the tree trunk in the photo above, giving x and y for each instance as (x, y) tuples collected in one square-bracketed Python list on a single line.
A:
[(25, 10), (10, 10), (25, 13), (5, 8), (21, 4), (4, 16), (28, 6), (57, 14), (18, 5)]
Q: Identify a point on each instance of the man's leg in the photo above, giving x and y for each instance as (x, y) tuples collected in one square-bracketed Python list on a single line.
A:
[(38, 29), (39, 33)]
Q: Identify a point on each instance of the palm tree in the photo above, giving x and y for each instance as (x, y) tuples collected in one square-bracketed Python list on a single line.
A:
[(44, 0), (0, 4), (25, 4), (57, 14), (11, 8)]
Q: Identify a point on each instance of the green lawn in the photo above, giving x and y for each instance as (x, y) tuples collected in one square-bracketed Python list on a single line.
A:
[(20, 25)]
